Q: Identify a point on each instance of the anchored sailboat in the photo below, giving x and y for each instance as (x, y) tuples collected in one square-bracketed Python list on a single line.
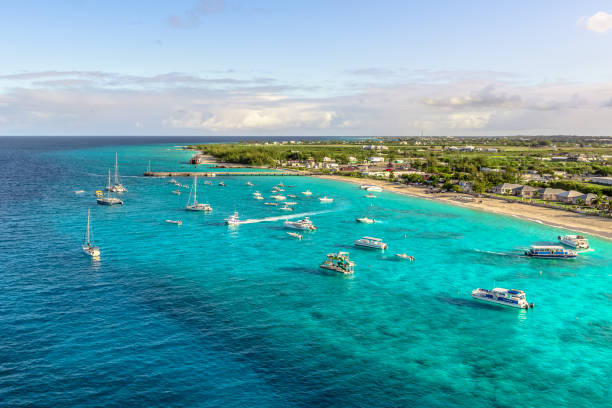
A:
[(117, 187), (88, 247), (193, 205), (109, 199)]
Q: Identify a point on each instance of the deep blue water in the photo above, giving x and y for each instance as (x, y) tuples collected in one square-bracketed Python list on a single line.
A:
[(203, 315)]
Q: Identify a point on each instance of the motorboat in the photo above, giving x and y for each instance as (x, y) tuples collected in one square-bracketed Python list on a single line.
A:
[(405, 256), (365, 220), (233, 219), (370, 195), (272, 204), (177, 192), (295, 235), (326, 199), (574, 241), (371, 242), (307, 193), (222, 184), (304, 224), (339, 262), (279, 197), (286, 208)]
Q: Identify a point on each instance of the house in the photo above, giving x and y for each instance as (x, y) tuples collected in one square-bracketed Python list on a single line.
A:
[(602, 180), (376, 159), (505, 188), (569, 196), (349, 168), (585, 199), (525, 191), (550, 194), (466, 186), (352, 159)]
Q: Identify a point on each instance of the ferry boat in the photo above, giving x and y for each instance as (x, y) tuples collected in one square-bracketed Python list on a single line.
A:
[(109, 199), (295, 234), (326, 199), (550, 251), (117, 187), (177, 222), (365, 220), (339, 262), (370, 242), (304, 224), (193, 205), (233, 219), (88, 247), (574, 241), (307, 192), (507, 297)]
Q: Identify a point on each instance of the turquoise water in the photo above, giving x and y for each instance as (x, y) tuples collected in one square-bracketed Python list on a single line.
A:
[(204, 315)]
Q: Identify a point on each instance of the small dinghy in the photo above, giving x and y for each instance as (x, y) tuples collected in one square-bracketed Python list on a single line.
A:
[(295, 234), (405, 256), (177, 222), (273, 204)]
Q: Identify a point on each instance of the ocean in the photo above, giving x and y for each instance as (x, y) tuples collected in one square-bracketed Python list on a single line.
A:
[(204, 315)]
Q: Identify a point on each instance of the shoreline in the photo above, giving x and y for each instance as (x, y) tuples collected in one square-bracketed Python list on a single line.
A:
[(596, 226)]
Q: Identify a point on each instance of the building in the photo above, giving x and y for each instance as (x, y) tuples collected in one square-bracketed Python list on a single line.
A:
[(525, 191), (376, 159), (550, 194), (585, 199), (506, 188), (569, 196), (602, 180)]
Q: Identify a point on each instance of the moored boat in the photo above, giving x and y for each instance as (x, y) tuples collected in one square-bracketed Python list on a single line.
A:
[(370, 195), (304, 224), (286, 208), (272, 204), (365, 220), (117, 187), (551, 252), (307, 192), (177, 192), (339, 262), (405, 256), (295, 235), (326, 199), (506, 297), (88, 247), (371, 242), (109, 199), (192, 203), (279, 197), (222, 184), (574, 241), (177, 222)]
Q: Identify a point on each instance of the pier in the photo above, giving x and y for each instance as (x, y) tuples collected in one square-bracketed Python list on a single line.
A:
[(223, 173)]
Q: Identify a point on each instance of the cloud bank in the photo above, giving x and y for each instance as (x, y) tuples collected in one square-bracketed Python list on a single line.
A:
[(600, 22)]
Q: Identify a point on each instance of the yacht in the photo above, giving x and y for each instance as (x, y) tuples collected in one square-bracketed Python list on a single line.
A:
[(88, 247), (326, 199), (574, 241), (307, 192), (339, 262), (192, 203), (550, 251), (507, 297), (304, 224), (117, 187), (233, 219), (370, 242), (365, 220), (109, 199)]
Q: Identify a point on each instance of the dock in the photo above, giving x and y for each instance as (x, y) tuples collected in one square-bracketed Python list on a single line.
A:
[(223, 173)]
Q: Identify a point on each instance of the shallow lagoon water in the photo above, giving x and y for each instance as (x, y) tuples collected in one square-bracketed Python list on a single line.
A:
[(206, 315)]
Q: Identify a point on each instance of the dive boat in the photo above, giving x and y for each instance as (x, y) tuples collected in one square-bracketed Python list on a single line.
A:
[(339, 262), (307, 192), (370, 242), (295, 234), (326, 199), (117, 187), (574, 241), (507, 297), (109, 199), (405, 256), (177, 222), (550, 251), (365, 220), (370, 195), (233, 219), (192, 203), (304, 224), (88, 247)]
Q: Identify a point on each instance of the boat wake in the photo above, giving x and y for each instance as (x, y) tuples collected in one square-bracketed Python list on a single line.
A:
[(494, 253), (284, 217)]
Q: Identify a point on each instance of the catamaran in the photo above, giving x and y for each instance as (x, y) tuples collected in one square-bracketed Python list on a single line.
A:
[(193, 205), (339, 262), (117, 187), (507, 297), (304, 224), (370, 242), (550, 251), (109, 199), (88, 247), (574, 241)]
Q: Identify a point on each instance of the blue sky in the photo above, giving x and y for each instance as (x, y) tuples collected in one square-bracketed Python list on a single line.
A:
[(305, 68)]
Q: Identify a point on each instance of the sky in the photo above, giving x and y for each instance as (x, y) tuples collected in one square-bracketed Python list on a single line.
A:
[(306, 68)]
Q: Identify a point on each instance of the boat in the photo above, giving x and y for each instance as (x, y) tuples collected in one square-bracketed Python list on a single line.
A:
[(258, 197), (88, 247), (173, 181), (290, 203), (307, 192), (208, 183), (405, 256), (192, 203), (550, 251), (109, 199), (291, 196), (274, 204), (290, 186), (279, 197), (507, 297), (117, 187), (177, 192), (365, 220), (339, 262), (295, 234), (370, 242), (79, 191), (281, 184), (222, 184), (574, 241), (374, 188), (326, 199), (177, 222), (249, 184), (233, 219), (286, 208), (304, 224), (370, 195)]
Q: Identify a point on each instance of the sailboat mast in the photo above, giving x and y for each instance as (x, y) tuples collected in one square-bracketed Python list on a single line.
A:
[(109, 184), (88, 214), (116, 169), (195, 190)]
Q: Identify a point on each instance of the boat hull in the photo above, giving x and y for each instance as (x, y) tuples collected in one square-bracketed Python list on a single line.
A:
[(91, 251), (335, 269), (104, 201), (369, 246)]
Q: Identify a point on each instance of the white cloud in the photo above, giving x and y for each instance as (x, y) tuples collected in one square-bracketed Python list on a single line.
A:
[(599, 22)]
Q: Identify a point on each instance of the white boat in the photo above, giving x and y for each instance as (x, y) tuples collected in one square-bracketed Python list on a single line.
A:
[(339, 262), (507, 297), (192, 203), (222, 184), (304, 224), (405, 256), (326, 199), (374, 188), (117, 187), (208, 183), (291, 196), (88, 247), (177, 222), (79, 191), (258, 197), (370, 242), (249, 184), (551, 252), (307, 192), (365, 220), (286, 208), (173, 181), (370, 195), (233, 219), (279, 197), (109, 199), (295, 234), (177, 192), (574, 241), (281, 184), (290, 203), (273, 204)]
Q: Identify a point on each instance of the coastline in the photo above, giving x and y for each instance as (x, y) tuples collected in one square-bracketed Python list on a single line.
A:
[(597, 226)]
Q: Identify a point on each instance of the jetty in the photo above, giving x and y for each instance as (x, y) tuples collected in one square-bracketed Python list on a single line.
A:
[(223, 173)]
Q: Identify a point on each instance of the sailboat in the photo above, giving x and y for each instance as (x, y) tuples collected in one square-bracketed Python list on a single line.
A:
[(117, 187), (109, 199), (88, 246), (193, 205)]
